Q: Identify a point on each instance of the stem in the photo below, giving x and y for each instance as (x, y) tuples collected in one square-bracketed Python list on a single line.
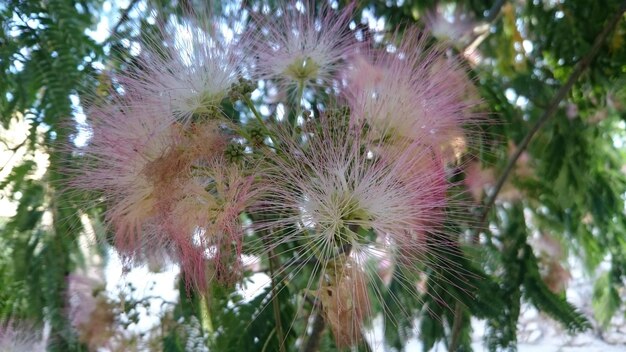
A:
[(123, 18), (275, 303), (207, 323), (299, 94), (551, 110), (269, 338), (456, 327), (313, 343), (257, 115)]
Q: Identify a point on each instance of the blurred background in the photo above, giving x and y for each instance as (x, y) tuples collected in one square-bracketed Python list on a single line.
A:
[(552, 263)]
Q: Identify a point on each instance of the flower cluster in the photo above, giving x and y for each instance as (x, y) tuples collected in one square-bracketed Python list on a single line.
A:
[(360, 177), (89, 310), (157, 154)]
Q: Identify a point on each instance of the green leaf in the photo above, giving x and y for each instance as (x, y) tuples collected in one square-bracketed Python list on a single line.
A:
[(606, 300)]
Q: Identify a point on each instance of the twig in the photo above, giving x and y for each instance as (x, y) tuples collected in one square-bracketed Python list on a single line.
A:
[(313, 343), (551, 110), (124, 17), (275, 303), (549, 113), (257, 115), (491, 17), (14, 151), (494, 11), (456, 327)]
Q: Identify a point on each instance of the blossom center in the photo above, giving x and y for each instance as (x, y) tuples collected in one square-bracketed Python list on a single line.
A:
[(303, 68)]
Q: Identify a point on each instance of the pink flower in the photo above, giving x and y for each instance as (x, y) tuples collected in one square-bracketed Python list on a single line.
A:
[(15, 337), (454, 27), (82, 291), (417, 94), (478, 179), (186, 72), (90, 312), (168, 188), (205, 221), (128, 144), (571, 111), (299, 45), (347, 201)]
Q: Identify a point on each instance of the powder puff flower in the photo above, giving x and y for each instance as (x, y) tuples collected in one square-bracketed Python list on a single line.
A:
[(168, 187), (332, 185), (450, 26), (128, 143), (348, 202), (417, 94), (303, 46), (19, 338), (477, 179), (139, 158), (345, 301), (188, 72), (90, 312), (205, 221)]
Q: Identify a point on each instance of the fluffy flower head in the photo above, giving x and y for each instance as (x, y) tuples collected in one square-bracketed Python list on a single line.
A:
[(164, 183), (452, 26), (306, 44), (89, 311), (415, 94), (19, 338), (127, 141), (188, 72), (205, 220), (345, 196), (342, 201)]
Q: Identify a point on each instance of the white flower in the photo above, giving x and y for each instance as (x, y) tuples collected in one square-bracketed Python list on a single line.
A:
[(189, 72), (300, 46)]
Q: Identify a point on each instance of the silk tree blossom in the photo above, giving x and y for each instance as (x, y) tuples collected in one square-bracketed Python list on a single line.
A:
[(308, 43), (89, 311), (16, 337), (188, 71), (334, 183), (354, 197), (453, 27), (477, 180), (209, 207), (414, 93), (122, 162), (168, 187), (353, 205), (345, 300)]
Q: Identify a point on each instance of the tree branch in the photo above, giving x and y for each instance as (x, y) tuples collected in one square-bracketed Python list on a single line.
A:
[(491, 17), (456, 327), (275, 303), (313, 343), (494, 11), (14, 151), (548, 114), (124, 17), (551, 109)]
